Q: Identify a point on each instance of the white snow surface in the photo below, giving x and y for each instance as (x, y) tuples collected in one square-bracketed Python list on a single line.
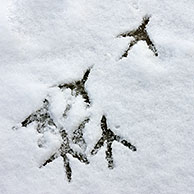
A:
[(148, 100)]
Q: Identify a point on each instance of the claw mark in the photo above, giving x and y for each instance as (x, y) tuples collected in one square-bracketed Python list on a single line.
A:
[(63, 151), (42, 117), (139, 34), (109, 137), (79, 87), (66, 110), (78, 135)]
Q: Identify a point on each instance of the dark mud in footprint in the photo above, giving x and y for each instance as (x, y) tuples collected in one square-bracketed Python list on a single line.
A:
[(79, 87), (139, 34), (67, 109), (44, 120), (78, 135), (63, 151), (42, 117), (109, 137)]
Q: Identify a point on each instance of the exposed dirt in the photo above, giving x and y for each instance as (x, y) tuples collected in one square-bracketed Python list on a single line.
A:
[(109, 137), (139, 34), (78, 87)]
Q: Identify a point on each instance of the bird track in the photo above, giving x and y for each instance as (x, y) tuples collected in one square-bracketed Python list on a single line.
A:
[(139, 34), (44, 121)]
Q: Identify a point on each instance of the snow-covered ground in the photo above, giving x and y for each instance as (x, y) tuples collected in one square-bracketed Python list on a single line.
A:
[(148, 100)]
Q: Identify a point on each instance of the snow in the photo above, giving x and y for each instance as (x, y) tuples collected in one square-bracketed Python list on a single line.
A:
[(147, 100)]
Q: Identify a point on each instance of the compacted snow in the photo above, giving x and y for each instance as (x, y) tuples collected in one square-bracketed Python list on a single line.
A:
[(97, 97)]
